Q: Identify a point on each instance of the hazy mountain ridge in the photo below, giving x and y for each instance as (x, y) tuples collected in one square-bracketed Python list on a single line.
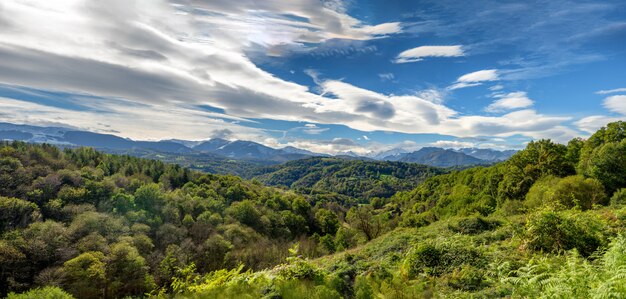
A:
[(441, 157), (223, 150)]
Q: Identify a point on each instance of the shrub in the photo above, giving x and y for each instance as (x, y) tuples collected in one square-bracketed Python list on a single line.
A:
[(619, 197), (439, 258), (474, 225), (42, 293), (553, 231)]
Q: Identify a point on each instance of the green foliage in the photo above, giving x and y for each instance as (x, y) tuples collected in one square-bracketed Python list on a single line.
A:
[(619, 197), (86, 275), (354, 178), (551, 231), (573, 278), (327, 221), (568, 192), (67, 213), (363, 219), (474, 225), (602, 156), (440, 258), (15, 213), (42, 293)]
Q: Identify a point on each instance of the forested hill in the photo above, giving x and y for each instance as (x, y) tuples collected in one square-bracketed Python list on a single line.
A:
[(101, 225), (354, 178)]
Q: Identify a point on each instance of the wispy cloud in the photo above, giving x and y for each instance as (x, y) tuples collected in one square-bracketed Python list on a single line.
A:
[(475, 79), (609, 91), (616, 103), (419, 53), (510, 101), (386, 76), (452, 144), (479, 76)]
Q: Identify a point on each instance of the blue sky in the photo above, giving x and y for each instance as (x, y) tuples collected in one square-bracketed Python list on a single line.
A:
[(328, 76)]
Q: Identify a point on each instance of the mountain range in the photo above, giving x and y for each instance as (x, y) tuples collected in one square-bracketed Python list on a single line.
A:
[(217, 149)]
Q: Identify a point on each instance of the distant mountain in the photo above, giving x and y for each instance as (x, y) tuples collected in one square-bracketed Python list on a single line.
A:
[(215, 149), (211, 145), (435, 156), (248, 150), (97, 140), (488, 154), (389, 154), (295, 150)]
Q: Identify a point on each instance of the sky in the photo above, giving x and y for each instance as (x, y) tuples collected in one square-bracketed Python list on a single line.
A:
[(328, 76)]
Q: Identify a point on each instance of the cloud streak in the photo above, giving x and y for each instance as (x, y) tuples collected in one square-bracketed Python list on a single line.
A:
[(419, 53), (510, 101)]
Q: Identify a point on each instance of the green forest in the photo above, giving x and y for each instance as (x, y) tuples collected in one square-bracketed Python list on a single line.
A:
[(547, 223)]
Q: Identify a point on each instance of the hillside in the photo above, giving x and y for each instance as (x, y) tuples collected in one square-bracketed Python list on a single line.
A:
[(547, 223), (102, 225), (354, 178)]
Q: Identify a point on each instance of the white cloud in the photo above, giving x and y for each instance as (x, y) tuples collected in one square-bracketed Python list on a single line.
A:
[(418, 54), (386, 76), (460, 85), (510, 101), (616, 103), (496, 87), (365, 137), (475, 79), (311, 129), (142, 122), (609, 91), (479, 76), (452, 144), (591, 124)]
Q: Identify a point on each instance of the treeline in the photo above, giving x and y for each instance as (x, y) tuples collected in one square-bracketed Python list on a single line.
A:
[(109, 226)]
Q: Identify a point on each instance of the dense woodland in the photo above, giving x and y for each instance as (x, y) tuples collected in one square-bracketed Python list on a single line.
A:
[(546, 223), (353, 178)]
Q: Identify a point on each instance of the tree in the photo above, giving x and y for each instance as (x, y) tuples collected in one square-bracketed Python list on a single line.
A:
[(126, 271), (15, 213), (362, 219), (568, 192), (576, 191), (245, 212), (328, 221), (607, 163), (86, 275)]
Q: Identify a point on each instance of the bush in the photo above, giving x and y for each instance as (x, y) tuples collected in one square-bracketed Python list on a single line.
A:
[(555, 232), (619, 197), (436, 259), (42, 293), (474, 225)]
